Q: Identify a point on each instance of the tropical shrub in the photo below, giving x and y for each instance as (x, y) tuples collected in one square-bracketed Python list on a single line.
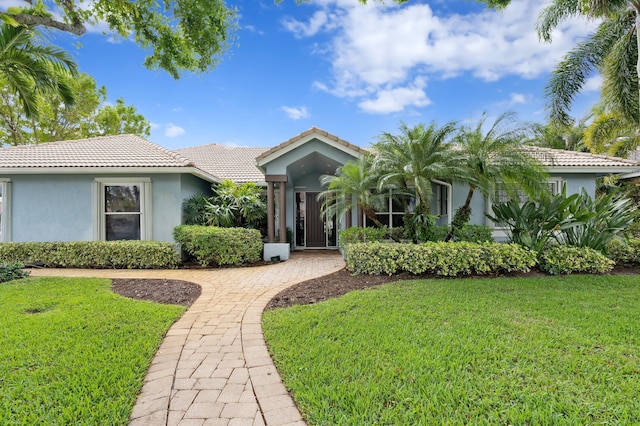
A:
[(439, 258), (12, 271), (92, 254), (633, 230), (358, 234), (473, 233), (231, 205), (598, 221), (566, 260), (624, 252), (214, 246), (577, 220)]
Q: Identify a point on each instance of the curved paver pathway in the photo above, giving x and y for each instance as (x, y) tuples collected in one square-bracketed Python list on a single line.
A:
[(213, 367)]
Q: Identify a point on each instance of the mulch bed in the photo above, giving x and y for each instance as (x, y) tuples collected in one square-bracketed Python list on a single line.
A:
[(312, 291)]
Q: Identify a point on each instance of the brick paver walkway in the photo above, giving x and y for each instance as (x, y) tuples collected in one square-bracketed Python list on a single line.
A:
[(213, 367)]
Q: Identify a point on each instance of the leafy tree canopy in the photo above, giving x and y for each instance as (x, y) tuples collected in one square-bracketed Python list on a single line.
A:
[(89, 116), (180, 35)]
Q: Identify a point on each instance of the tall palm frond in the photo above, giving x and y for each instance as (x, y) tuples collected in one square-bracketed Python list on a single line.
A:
[(415, 157), (28, 68)]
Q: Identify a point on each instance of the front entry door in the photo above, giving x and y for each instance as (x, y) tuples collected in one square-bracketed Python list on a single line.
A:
[(311, 230), (315, 225)]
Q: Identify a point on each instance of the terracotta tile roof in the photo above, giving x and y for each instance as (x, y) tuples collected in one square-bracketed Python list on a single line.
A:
[(561, 158), (108, 151), (313, 130), (235, 163)]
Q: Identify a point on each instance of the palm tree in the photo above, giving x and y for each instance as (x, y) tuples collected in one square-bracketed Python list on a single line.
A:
[(558, 136), (415, 157), (494, 157), (612, 50), (28, 68), (612, 134), (354, 185)]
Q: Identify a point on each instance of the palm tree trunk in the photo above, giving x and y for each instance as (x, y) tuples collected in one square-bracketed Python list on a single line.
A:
[(371, 214)]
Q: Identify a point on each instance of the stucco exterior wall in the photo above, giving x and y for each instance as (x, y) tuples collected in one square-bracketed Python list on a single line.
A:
[(61, 207), (51, 208)]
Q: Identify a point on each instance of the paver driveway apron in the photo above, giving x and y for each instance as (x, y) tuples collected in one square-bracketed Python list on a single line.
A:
[(213, 367)]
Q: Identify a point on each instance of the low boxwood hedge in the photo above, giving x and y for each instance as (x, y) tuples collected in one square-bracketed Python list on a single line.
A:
[(567, 260), (213, 246), (92, 254), (624, 252), (440, 258)]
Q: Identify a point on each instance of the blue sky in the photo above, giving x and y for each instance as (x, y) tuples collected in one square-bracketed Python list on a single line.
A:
[(353, 70)]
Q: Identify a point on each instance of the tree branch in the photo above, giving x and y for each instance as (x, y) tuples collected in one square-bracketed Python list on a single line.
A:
[(76, 28)]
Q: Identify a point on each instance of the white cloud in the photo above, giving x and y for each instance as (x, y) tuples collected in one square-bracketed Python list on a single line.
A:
[(172, 131), (378, 49), (295, 113), (306, 29), (593, 84), (518, 98), (397, 99), (153, 125)]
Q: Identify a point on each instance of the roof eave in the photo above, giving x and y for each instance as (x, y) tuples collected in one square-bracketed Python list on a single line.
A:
[(601, 170), (111, 170)]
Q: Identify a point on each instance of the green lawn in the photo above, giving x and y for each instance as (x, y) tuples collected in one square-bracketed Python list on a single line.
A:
[(72, 352), (541, 351)]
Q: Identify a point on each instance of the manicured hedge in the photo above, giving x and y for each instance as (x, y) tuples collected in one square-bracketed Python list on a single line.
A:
[(213, 246), (567, 259), (624, 252), (440, 258), (92, 254)]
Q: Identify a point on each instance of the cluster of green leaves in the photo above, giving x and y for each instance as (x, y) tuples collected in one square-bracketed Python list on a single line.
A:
[(508, 351), (439, 258), (358, 234), (232, 205), (625, 252), (577, 220), (12, 271), (213, 246), (178, 35), (73, 352), (89, 116), (92, 254), (566, 260)]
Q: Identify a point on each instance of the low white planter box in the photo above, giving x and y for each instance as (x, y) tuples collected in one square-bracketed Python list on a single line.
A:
[(276, 251)]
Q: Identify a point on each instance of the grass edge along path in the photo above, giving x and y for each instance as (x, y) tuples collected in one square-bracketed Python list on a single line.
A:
[(73, 352), (551, 350)]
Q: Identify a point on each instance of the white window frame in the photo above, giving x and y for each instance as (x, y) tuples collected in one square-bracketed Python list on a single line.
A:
[(390, 213), (556, 184), (5, 218), (98, 204)]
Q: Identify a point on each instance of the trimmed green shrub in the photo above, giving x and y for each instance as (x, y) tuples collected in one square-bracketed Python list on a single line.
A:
[(567, 259), (473, 234), (360, 235), (12, 271), (440, 258), (624, 252), (633, 230), (213, 246), (92, 254)]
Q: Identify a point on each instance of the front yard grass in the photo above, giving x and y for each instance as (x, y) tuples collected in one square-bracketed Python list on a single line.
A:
[(552, 350), (72, 352)]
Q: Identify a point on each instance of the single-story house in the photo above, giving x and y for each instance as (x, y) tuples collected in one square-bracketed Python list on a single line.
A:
[(124, 187)]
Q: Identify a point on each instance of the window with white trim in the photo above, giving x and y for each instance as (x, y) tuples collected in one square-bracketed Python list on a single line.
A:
[(393, 212), (501, 196), (5, 210), (123, 209), (442, 200)]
